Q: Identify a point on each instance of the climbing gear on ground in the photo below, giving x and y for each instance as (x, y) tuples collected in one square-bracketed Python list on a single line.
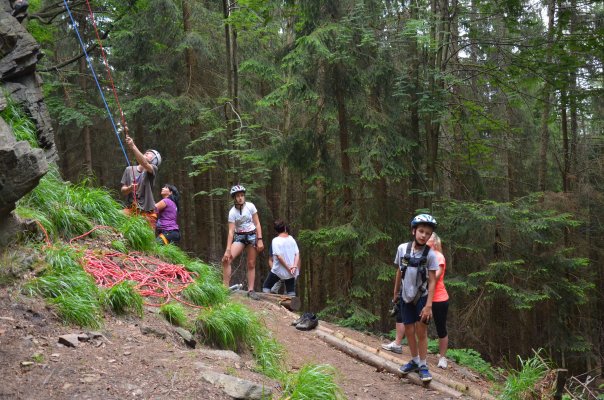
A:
[(419, 263), (236, 189), (411, 366), (423, 219), (442, 363), (157, 159), (393, 347), (424, 374), (308, 323)]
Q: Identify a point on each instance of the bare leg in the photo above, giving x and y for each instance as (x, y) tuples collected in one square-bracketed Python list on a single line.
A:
[(421, 331), (251, 267), (236, 249), (400, 333), (411, 339)]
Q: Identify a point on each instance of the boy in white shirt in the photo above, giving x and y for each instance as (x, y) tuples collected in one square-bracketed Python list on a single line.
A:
[(286, 260)]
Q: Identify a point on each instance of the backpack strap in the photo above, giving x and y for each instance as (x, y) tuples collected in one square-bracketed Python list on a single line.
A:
[(422, 264)]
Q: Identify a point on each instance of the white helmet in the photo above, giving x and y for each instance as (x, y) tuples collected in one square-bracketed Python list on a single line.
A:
[(423, 219), (236, 189), (157, 159)]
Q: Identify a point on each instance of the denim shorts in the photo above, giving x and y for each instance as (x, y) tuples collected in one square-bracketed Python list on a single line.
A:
[(410, 312), (245, 238)]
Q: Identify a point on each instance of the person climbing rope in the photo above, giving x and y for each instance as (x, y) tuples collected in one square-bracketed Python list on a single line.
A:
[(167, 209), (137, 183), (414, 289), (245, 233)]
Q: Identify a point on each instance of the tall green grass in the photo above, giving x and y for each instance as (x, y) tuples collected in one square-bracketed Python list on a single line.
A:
[(21, 124), (175, 314), (171, 253), (206, 292), (315, 382), (138, 233), (523, 383), (227, 326), (123, 297), (69, 210), (203, 270)]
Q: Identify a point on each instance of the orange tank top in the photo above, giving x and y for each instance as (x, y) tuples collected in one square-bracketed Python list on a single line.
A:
[(440, 292)]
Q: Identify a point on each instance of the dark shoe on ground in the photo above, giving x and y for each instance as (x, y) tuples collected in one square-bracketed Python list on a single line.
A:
[(424, 374), (253, 295), (411, 366), (310, 323), (303, 317)]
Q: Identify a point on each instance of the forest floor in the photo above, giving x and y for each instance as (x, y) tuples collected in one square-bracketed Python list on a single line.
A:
[(144, 358)]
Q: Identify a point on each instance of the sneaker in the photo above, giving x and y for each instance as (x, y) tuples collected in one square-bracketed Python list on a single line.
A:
[(304, 316), (442, 363), (276, 287), (393, 347), (411, 366), (253, 295), (424, 374), (309, 323)]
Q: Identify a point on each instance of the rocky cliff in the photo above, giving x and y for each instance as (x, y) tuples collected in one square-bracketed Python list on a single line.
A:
[(21, 166)]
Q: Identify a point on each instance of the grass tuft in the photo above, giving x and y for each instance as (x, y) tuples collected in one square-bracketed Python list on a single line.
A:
[(204, 271), (119, 246), (123, 297), (22, 126), (205, 292), (172, 254), (523, 384), (138, 233), (226, 326), (174, 314), (315, 382)]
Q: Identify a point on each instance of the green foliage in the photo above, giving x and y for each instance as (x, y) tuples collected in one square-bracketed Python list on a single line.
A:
[(123, 297), (204, 271), (171, 253), (120, 246), (228, 325), (138, 233), (348, 314), (22, 126), (66, 209), (206, 292), (313, 382), (268, 353), (175, 314), (523, 383), (471, 358)]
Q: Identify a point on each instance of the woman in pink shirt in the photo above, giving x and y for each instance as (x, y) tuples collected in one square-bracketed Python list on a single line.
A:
[(440, 301)]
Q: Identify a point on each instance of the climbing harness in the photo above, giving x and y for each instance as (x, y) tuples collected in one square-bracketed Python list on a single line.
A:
[(416, 262)]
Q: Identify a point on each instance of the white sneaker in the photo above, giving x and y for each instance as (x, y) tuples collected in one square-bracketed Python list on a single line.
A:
[(442, 363), (393, 347)]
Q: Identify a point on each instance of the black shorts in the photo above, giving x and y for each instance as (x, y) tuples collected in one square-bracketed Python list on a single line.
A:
[(440, 310)]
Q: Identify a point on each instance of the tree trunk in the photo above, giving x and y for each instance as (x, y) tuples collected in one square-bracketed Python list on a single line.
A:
[(546, 97)]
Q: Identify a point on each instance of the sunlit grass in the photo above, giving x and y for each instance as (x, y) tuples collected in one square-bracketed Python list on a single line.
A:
[(171, 253), (315, 382), (205, 292)]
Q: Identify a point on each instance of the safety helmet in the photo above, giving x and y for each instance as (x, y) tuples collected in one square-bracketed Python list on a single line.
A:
[(423, 219), (157, 159), (236, 189)]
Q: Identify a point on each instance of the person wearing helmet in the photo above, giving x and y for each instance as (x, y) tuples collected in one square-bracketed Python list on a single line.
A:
[(414, 286), (245, 232), (137, 182)]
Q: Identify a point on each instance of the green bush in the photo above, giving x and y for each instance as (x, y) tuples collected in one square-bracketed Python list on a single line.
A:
[(521, 384), (138, 233), (205, 292), (227, 326), (23, 127)]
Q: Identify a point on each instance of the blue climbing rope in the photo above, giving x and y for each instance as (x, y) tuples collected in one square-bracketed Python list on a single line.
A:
[(98, 85)]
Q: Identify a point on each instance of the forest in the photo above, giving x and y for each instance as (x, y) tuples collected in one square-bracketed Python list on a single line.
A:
[(346, 118)]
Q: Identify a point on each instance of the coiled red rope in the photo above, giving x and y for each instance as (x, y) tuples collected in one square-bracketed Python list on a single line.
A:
[(154, 278)]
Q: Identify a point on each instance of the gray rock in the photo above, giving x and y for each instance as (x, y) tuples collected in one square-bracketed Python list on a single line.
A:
[(236, 387), (220, 354), (69, 340), (153, 331), (187, 337)]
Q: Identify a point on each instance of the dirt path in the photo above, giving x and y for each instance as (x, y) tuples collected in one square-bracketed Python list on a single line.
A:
[(127, 363)]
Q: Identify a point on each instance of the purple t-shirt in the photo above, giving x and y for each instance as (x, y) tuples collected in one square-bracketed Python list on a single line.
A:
[(167, 216)]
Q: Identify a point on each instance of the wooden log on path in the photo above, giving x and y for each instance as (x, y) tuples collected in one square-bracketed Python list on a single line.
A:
[(382, 364), (439, 377)]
